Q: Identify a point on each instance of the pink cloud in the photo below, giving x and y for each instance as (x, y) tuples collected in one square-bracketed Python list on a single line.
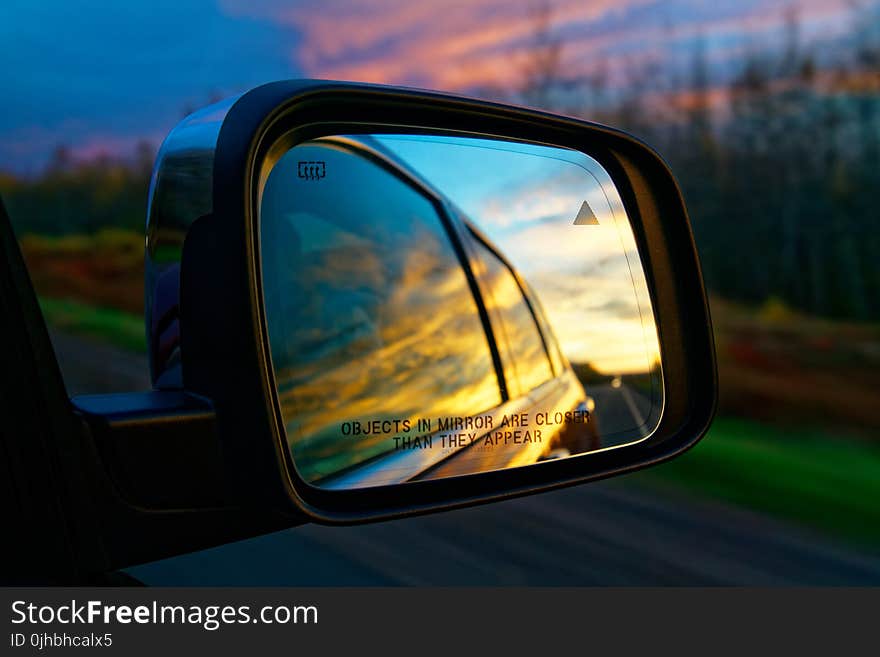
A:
[(448, 45), (456, 45)]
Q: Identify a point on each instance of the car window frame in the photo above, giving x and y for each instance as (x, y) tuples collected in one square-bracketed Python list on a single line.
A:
[(558, 362)]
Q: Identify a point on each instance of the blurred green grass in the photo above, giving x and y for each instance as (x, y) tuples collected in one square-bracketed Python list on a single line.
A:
[(111, 325), (808, 476)]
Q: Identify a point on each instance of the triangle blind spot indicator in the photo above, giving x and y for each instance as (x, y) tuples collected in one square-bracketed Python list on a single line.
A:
[(586, 217)]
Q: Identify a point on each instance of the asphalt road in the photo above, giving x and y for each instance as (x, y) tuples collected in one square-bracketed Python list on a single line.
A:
[(92, 367), (617, 532)]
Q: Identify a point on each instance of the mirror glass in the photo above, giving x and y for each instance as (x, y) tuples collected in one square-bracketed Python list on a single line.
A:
[(442, 305)]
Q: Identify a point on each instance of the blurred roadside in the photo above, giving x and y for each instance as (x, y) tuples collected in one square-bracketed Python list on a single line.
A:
[(784, 367), (778, 158)]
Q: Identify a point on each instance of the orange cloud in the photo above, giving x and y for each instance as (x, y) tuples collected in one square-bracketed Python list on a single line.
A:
[(460, 45), (449, 44)]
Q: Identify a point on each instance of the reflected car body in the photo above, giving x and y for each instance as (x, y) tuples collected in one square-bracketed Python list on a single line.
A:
[(559, 411)]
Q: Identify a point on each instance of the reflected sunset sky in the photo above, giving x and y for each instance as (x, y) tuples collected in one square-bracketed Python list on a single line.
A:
[(526, 198)]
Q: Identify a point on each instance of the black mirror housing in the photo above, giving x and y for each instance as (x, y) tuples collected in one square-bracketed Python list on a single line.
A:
[(223, 344)]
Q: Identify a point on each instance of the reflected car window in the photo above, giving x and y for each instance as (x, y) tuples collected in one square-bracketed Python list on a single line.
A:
[(529, 367), (549, 337), (369, 313)]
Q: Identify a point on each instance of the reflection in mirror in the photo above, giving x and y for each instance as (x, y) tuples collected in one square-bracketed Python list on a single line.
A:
[(439, 306)]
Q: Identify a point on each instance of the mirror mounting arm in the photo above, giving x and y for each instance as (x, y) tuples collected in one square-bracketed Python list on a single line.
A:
[(155, 463), (157, 437)]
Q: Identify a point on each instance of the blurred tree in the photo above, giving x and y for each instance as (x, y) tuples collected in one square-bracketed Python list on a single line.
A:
[(81, 197), (541, 70)]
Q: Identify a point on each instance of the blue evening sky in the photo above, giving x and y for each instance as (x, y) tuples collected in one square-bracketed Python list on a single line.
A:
[(98, 77)]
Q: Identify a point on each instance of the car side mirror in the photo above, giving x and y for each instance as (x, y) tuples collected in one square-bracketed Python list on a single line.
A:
[(370, 302)]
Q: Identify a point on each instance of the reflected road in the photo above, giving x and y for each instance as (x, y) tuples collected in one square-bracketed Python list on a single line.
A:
[(618, 411)]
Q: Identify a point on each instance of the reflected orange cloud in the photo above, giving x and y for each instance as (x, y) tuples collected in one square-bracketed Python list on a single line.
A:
[(589, 280)]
